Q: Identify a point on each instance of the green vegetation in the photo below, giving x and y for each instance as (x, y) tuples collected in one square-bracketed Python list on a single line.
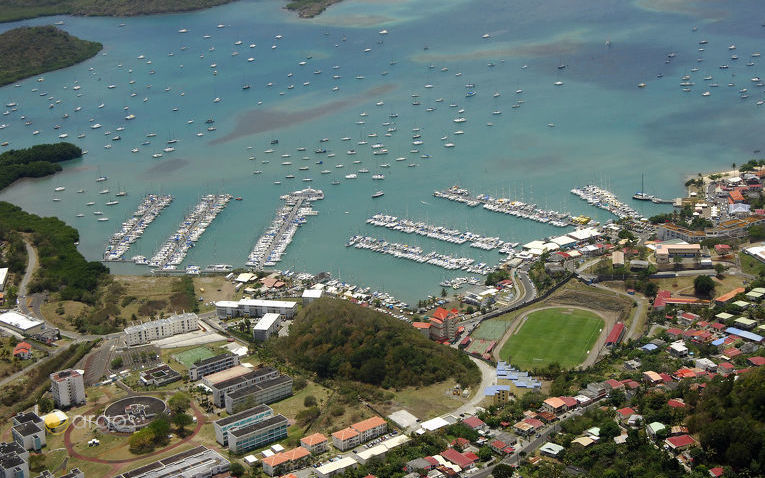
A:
[(557, 335), (704, 286), (339, 340), (683, 217), (183, 297), (25, 391), (28, 51), (34, 162), (497, 276), (62, 267), (310, 8), (155, 434), (20, 9)]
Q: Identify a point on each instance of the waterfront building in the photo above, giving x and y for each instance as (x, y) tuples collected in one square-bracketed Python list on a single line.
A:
[(159, 329), (267, 326), (258, 434), (267, 391), (212, 365), (197, 462), (67, 388), (310, 295), (443, 324), (255, 308)]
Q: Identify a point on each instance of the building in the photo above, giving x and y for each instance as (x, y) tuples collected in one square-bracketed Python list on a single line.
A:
[(267, 391), (310, 295), (617, 258), (21, 323), (235, 378), (3, 277), (422, 327), (160, 375), (22, 351), (499, 393), (67, 388), (266, 327), (240, 420), (679, 443), (14, 461), (334, 468), (550, 449), (345, 439), (519, 382), (255, 308), (316, 443), (198, 462), (665, 253), (258, 434), (212, 365), (286, 461), (443, 324), (28, 430), (378, 452), (159, 329), (616, 335), (554, 405)]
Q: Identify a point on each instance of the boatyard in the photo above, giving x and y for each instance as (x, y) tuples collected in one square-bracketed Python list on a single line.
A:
[(175, 248), (272, 244), (512, 207), (440, 233), (416, 254), (132, 229)]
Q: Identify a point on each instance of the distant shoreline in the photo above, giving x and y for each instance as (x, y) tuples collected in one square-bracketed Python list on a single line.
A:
[(132, 8)]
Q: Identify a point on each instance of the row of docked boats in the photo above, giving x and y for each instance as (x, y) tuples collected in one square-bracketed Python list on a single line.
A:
[(175, 248), (605, 199), (416, 254), (131, 230), (440, 233), (272, 243)]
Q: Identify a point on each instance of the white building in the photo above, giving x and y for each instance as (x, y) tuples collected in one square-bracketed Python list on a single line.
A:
[(266, 326), (255, 308), (21, 323), (310, 295), (68, 388), (159, 329), (3, 277)]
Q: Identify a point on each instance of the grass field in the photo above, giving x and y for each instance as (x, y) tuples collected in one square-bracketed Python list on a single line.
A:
[(562, 335), (188, 357)]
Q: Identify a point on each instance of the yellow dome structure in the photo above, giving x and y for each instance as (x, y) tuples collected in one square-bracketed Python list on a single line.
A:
[(56, 422)]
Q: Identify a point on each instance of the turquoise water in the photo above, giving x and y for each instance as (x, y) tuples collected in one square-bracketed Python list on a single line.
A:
[(607, 130)]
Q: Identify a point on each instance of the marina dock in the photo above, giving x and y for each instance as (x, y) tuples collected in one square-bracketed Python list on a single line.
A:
[(440, 233), (272, 244), (512, 207), (605, 199), (175, 248), (416, 254), (132, 229)]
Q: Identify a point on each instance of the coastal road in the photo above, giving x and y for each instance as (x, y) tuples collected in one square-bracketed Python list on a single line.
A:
[(487, 379)]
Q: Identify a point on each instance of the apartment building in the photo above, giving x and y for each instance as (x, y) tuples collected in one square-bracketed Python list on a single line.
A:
[(239, 420), (67, 388), (159, 329), (255, 308), (267, 391), (258, 434), (213, 365)]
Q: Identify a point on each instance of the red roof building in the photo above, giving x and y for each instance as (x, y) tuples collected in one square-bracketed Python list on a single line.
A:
[(460, 443), (665, 377), (615, 384), (676, 403), (616, 334), (22, 350), (725, 367), (674, 332), (474, 422), (460, 459), (731, 352), (716, 472), (498, 446), (626, 412), (680, 442), (756, 361)]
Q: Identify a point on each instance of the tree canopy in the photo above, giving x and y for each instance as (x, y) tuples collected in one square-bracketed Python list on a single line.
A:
[(338, 339), (34, 162)]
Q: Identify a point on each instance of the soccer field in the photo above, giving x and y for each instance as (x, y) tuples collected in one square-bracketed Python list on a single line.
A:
[(560, 335), (188, 357)]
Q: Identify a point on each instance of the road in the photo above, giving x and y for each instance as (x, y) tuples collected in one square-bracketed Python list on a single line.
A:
[(487, 379), (632, 332)]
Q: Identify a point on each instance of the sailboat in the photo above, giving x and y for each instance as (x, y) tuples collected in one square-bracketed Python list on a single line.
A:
[(642, 196)]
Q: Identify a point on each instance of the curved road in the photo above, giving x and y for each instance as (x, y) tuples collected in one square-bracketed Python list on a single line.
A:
[(31, 268)]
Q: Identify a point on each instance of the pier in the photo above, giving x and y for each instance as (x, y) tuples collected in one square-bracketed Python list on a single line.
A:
[(175, 248), (440, 233), (511, 207), (416, 254), (272, 244), (132, 229), (605, 199)]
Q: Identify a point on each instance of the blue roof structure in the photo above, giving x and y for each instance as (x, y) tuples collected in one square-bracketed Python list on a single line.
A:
[(649, 347), (505, 371), (744, 334), (492, 390), (718, 342)]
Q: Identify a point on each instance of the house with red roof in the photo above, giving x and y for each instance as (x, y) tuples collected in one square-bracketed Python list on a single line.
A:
[(718, 326), (500, 447), (554, 405), (674, 332), (680, 442), (716, 472), (22, 351), (463, 460), (460, 443), (444, 324), (623, 414), (687, 318), (725, 368), (731, 352), (676, 403), (756, 361), (665, 377), (630, 384), (475, 423), (614, 384), (570, 402)]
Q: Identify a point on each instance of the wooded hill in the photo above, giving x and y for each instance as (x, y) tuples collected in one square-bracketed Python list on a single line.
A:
[(35, 162), (13, 10), (340, 340), (29, 51)]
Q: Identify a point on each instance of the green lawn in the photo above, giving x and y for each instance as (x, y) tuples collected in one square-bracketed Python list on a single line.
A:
[(750, 265), (560, 335)]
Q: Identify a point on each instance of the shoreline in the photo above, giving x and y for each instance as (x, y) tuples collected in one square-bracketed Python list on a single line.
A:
[(310, 8)]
